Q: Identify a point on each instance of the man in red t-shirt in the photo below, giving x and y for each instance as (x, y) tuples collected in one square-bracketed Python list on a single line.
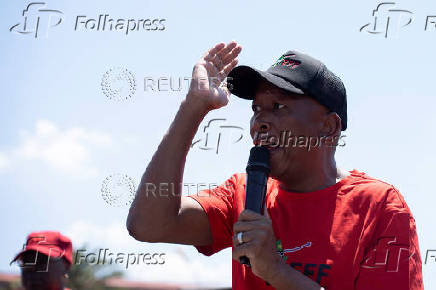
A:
[(321, 228), (355, 234)]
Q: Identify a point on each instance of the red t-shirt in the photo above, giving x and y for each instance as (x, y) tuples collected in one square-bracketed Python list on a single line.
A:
[(356, 234)]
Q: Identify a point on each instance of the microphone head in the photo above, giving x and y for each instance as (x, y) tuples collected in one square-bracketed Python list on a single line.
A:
[(259, 159)]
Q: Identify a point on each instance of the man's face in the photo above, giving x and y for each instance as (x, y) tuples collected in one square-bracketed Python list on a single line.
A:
[(47, 274), (277, 113)]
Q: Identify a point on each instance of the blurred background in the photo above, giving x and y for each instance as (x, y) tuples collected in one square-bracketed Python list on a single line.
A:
[(89, 88)]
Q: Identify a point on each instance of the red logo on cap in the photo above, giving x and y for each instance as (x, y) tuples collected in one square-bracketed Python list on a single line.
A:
[(287, 60)]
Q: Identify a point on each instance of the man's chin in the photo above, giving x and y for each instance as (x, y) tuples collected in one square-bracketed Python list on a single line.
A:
[(278, 163), (274, 173), (276, 156)]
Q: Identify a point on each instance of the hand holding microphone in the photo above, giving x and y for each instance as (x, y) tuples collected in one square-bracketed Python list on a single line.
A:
[(254, 240), (257, 176)]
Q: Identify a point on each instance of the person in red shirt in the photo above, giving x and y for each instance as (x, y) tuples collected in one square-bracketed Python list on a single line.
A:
[(321, 227), (45, 260), (355, 234)]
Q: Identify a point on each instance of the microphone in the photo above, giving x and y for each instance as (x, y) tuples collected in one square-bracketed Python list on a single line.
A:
[(258, 169)]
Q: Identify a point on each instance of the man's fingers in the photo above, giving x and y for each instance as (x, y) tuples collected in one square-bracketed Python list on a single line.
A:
[(221, 76), (242, 226), (225, 71), (247, 236), (249, 215), (222, 56), (232, 55), (229, 67), (228, 48), (218, 63), (244, 249), (213, 51), (212, 69), (241, 250)]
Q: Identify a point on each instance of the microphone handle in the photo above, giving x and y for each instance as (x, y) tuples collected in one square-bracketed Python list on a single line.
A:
[(255, 190)]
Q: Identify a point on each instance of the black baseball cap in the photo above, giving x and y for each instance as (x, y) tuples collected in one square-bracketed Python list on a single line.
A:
[(297, 73)]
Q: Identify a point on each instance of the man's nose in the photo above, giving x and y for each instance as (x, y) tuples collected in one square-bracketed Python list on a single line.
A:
[(264, 127), (260, 127)]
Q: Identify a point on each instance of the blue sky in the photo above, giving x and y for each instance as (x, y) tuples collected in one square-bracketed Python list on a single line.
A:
[(61, 136)]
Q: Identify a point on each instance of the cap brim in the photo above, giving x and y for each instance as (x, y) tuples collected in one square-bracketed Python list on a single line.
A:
[(243, 80), (16, 257), (46, 251)]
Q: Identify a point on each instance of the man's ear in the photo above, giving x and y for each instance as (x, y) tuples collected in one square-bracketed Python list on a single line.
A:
[(332, 125)]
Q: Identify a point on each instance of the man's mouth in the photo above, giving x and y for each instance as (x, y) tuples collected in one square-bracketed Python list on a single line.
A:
[(272, 147)]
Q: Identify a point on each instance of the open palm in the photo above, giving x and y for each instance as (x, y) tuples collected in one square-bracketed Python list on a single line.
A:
[(209, 73)]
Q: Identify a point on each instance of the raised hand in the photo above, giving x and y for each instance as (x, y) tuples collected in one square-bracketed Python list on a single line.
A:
[(208, 74)]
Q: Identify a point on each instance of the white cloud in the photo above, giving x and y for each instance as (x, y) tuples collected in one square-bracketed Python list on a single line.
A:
[(183, 264), (67, 150)]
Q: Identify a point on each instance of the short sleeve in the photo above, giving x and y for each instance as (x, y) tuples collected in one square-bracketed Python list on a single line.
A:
[(218, 205), (393, 260)]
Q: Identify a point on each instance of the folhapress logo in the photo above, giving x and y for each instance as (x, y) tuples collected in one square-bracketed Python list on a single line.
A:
[(106, 23), (388, 20), (37, 20)]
